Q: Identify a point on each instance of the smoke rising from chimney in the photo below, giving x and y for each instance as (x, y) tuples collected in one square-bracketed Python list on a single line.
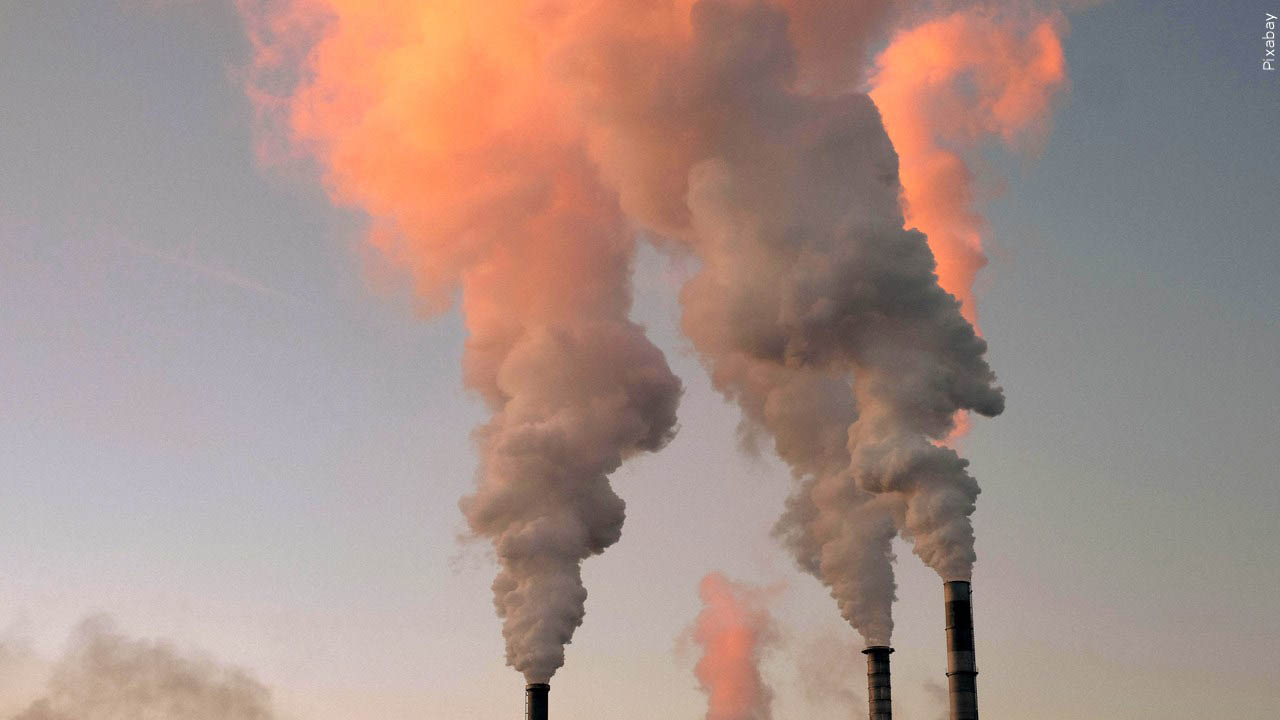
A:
[(506, 151), (444, 123), (814, 309)]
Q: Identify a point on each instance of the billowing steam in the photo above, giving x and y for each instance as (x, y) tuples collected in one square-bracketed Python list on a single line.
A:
[(443, 122), (943, 87), (734, 630), (814, 309), (105, 675), (508, 149)]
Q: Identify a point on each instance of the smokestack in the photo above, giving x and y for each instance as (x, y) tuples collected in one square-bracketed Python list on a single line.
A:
[(879, 703), (535, 701), (962, 669)]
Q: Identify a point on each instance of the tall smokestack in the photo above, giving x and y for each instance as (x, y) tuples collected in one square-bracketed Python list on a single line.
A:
[(962, 669), (879, 702), (535, 701)]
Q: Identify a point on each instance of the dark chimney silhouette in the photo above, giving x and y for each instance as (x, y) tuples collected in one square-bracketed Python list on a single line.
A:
[(535, 701), (879, 700), (962, 668)]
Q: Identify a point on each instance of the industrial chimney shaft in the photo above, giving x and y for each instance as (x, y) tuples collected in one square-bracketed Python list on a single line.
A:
[(962, 668), (879, 696), (535, 701)]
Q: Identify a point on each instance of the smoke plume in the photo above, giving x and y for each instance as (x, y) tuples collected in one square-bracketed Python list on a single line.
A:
[(104, 675), (814, 309), (444, 123), (734, 630), (506, 151), (844, 336), (945, 86)]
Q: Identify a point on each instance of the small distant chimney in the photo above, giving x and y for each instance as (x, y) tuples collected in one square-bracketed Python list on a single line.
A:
[(879, 702), (962, 668), (535, 701)]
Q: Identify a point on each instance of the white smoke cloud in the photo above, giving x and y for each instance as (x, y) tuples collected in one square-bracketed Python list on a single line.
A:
[(814, 309), (512, 153), (459, 148)]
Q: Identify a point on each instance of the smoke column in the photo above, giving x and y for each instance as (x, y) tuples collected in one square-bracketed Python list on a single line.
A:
[(839, 333), (814, 309), (106, 676), (507, 149), (733, 629), (443, 122), (945, 86)]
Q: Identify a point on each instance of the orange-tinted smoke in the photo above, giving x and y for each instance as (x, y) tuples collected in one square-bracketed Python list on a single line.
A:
[(446, 124), (433, 118), (943, 88), (734, 629)]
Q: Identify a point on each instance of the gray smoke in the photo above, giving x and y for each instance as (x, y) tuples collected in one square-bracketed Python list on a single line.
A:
[(814, 309), (512, 168), (478, 181), (581, 399), (104, 675)]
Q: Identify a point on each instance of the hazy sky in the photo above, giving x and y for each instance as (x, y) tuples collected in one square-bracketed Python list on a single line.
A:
[(225, 423)]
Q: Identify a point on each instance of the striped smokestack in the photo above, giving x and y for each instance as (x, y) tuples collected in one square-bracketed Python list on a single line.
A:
[(879, 702), (535, 701), (962, 669)]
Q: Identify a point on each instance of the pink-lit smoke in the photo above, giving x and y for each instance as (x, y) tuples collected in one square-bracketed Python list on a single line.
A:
[(443, 122), (813, 309), (734, 630), (506, 151), (945, 86)]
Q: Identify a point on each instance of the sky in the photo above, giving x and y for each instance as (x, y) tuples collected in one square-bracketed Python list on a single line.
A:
[(228, 423)]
